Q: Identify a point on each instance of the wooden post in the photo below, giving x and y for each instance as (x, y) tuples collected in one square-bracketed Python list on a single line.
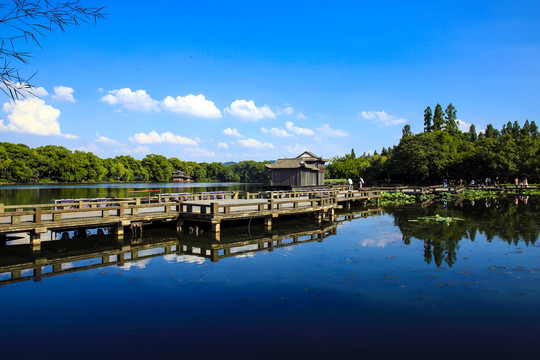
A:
[(119, 231), (1, 208), (15, 219), (268, 223), (271, 204), (121, 209), (37, 215), (216, 226), (179, 225), (214, 255), (179, 207), (214, 208)]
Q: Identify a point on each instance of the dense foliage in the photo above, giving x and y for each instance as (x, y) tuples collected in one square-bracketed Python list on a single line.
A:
[(22, 164), (442, 151)]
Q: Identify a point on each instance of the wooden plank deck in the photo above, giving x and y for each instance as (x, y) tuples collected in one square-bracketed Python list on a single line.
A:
[(205, 207)]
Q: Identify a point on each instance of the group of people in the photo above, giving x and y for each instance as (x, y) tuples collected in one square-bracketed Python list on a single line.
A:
[(523, 183), (488, 182), (360, 183)]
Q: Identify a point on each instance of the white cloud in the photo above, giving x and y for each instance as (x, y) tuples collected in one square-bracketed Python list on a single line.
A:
[(165, 138), (296, 148), (247, 110), (463, 126), (276, 132), (328, 131), (288, 110), (222, 145), (89, 148), (191, 259), (24, 90), (232, 132), (141, 149), (382, 118), (199, 152), (301, 116), (63, 93), (298, 130), (252, 143), (107, 141), (132, 100), (141, 264), (192, 105), (32, 116)]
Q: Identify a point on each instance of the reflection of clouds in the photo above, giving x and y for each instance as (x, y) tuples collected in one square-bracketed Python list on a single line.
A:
[(248, 255), (381, 242), (250, 247), (68, 265), (190, 259), (141, 264)]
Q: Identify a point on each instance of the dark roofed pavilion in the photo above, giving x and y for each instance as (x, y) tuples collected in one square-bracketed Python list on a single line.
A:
[(306, 169)]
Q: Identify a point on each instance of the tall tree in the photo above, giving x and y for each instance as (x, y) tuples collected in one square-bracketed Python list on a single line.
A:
[(438, 118), (450, 120), (428, 117), (406, 131), (473, 136), (491, 132)]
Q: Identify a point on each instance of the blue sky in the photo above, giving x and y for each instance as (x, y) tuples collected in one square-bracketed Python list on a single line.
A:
[(260, 80)]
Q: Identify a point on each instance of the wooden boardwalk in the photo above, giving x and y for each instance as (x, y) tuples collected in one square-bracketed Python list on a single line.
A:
[(423, 190), (24, 263), (209, 208)]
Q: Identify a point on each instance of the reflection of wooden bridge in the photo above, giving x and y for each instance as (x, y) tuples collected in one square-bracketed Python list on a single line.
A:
[(423, 190), (25, 262), (207, 208)]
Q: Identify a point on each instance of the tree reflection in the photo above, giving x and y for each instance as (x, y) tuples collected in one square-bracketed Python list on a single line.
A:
[(514, 221)]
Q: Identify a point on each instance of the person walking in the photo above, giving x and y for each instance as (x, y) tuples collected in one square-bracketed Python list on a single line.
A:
[(350, 183), (361, 181)]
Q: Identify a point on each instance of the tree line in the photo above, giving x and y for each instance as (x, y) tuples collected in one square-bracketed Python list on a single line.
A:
[(21, 164), (443, 151)]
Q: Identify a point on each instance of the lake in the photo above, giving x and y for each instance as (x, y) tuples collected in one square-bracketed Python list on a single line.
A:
[(381, 285), (43, 194)]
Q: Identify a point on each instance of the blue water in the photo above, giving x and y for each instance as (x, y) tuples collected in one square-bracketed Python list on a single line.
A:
[(364, 292)]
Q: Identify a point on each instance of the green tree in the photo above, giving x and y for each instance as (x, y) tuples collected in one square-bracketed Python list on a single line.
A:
[(158, 167), (406, 131), (473, 136), (428, 117), (450, 120), (438, 118)]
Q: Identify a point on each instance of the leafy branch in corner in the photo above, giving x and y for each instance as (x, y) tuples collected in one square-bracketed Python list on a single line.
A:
[(25, 21)]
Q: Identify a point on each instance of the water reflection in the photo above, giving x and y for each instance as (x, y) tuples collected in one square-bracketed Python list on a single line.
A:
[(43, 194), (514, 221), (67, 255)]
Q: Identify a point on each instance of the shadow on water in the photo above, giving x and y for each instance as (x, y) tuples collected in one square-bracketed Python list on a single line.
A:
[(319, 290), (514, 221), (74, 251)]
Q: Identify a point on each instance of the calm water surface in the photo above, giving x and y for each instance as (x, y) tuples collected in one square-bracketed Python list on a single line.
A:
[(372, 287), (43, 194)]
